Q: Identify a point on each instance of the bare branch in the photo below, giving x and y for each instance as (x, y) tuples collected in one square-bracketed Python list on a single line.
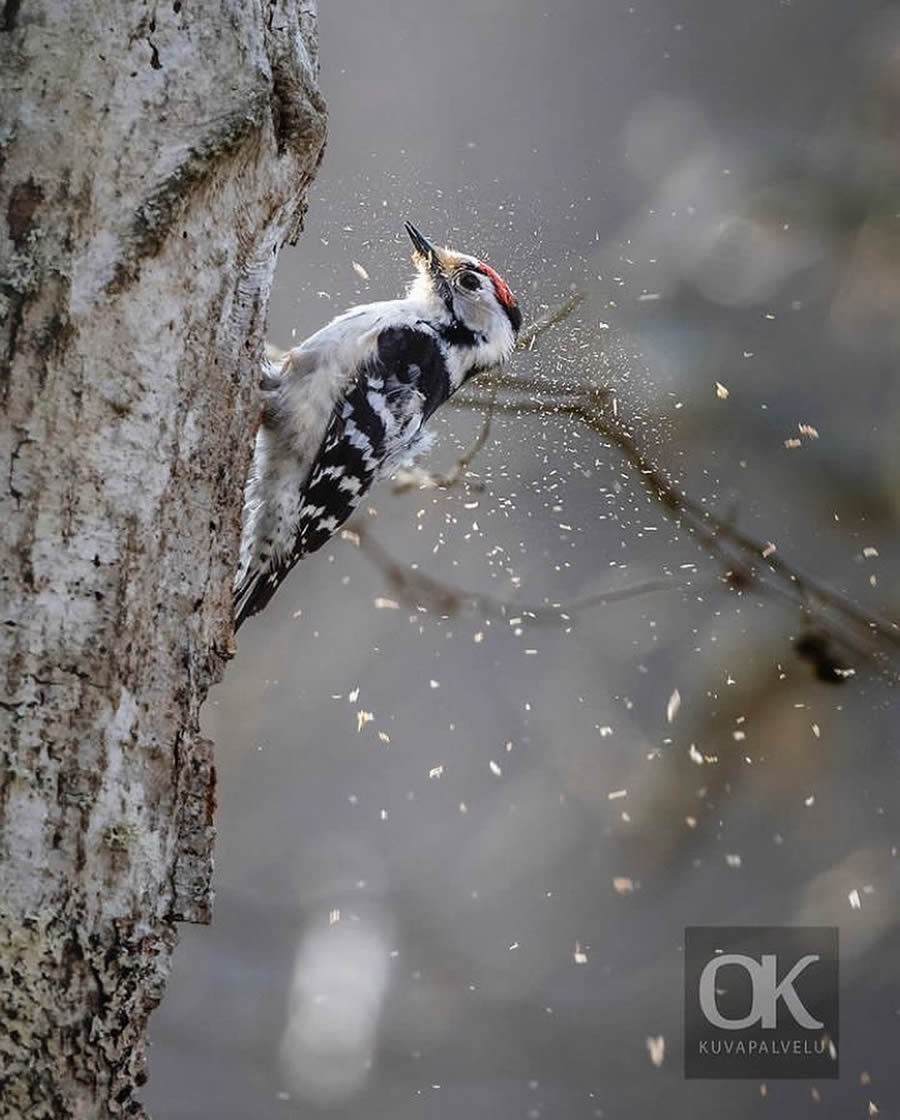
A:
[(747, 563)]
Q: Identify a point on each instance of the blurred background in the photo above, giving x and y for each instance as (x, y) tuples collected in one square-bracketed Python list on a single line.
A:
[(458, 847)]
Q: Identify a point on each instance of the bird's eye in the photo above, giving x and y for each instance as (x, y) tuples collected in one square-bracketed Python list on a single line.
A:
[(470, 281)]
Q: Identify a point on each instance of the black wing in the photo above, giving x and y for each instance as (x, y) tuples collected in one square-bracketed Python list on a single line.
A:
[(366, 427), (340, 475)]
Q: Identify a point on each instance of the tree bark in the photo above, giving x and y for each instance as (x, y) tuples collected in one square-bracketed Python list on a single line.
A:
[(153, 158)]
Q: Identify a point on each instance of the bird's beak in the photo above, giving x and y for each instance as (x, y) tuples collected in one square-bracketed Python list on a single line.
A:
[(423, 247)]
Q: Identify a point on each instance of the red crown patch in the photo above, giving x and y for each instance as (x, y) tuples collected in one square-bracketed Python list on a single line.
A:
[(500, 286)]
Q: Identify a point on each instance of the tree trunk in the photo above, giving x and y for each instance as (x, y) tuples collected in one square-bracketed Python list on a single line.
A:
[(153, 158)]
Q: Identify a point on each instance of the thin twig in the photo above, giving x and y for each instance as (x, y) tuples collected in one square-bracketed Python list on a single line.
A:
[(529, 334), (420, 590)]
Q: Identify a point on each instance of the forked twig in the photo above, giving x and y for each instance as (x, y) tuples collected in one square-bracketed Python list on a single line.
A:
[(746, 562)]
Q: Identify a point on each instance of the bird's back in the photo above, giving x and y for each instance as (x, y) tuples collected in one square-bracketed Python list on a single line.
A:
[(369, 379)]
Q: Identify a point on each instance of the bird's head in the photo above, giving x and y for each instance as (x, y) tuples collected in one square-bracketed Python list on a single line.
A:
[(475, 299)]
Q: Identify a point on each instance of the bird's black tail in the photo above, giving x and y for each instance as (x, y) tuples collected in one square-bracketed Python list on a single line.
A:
[(254, 593)]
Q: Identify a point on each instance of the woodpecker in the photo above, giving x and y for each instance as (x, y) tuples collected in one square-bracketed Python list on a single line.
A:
[(349, 404)]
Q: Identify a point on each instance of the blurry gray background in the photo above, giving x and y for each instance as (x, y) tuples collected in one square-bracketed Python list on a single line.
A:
[(428, 905)]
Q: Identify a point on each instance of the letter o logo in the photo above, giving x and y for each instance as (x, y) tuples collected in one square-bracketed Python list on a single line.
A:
[(766, 992)]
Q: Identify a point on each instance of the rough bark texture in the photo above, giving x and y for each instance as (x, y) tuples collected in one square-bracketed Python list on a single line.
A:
[(153, 158)]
